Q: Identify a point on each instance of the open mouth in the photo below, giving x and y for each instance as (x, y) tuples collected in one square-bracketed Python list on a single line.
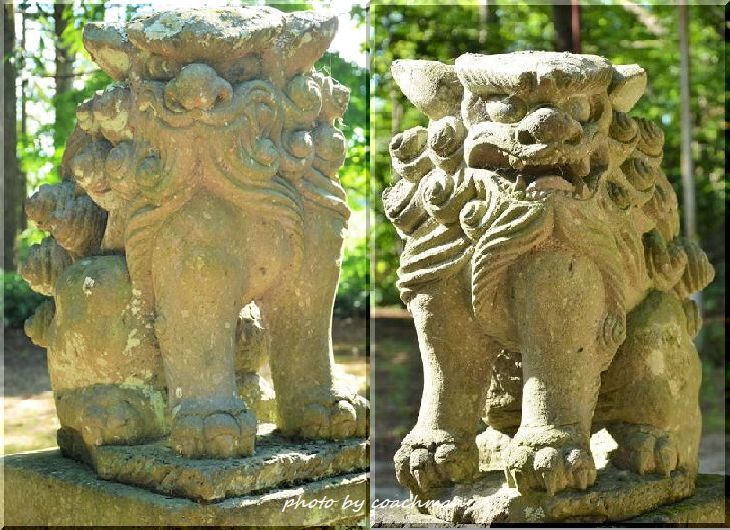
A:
[(539, 181)]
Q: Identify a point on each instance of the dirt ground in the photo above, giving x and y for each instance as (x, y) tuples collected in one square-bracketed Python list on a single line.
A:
[(397, 384), (30, 414)]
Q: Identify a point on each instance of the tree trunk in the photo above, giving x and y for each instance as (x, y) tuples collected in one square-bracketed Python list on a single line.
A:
[(489, 37), (64, 75), (13, 181), (24, 82), (689, 204), (563, 28)]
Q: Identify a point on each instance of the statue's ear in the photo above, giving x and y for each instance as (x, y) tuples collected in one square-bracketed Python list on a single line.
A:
[(627, 86), (109, 48), (304, 39), (431, 86)]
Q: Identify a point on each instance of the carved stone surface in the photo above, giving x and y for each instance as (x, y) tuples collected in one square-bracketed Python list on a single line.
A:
[(72, 495), (278, 462), (705, 507), (196, 235), (546, 276)]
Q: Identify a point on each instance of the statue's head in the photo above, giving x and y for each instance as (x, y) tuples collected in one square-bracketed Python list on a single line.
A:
[(225, 99), (541, 119)]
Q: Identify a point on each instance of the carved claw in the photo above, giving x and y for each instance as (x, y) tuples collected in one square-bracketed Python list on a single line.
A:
[(550, 468), (429, 459), (345, 417), (644, 449), (109, 414), (213, 429)]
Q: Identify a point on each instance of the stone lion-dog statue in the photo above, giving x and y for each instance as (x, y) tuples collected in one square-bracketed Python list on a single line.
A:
[(545, 272), (198, 225)]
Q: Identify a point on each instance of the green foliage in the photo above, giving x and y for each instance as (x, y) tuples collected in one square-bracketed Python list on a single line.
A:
[(613, 31), (352, 294), (31, 235), (19, 301)]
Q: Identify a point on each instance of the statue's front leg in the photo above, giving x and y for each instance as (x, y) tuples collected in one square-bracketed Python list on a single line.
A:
[(298, 310), (200, 284), (457, 356), (560, 307)]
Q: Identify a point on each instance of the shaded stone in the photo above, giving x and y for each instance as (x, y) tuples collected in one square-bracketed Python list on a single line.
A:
[(43, 488), (277, 461), (617, 495), (707, 506)]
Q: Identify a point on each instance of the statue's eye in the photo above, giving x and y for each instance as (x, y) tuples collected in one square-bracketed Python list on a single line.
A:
[(579, 108), (505, 109)]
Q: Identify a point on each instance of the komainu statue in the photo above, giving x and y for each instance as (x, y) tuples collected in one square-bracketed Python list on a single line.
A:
[(198, 227), (545, 272)]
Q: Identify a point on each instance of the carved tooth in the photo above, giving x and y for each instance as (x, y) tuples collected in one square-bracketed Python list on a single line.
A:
[(520, 184)]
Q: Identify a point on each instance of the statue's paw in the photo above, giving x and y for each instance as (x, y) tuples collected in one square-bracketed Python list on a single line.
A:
[(644, 449), (344, 416), (430, 459), (205, 429), (120, 423), (550, 464), (110, 414)]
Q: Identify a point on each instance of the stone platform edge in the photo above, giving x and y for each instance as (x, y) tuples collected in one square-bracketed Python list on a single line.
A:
[(44, 488), (706, 508)]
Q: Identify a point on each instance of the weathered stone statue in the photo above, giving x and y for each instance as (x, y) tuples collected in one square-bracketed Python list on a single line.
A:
[(198, 227), (547, 278)]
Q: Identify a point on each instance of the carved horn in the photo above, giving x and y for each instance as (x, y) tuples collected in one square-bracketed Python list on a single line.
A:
[(627, 85), (109, 48), (431, 86), (304, 39)]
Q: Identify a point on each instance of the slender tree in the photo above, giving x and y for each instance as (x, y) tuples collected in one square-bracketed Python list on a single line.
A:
[(566, 20), (13, 181), (563, 29)]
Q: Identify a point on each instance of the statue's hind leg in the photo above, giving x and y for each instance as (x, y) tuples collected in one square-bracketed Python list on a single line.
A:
[(457, 357), (103, 361), (649, 395)]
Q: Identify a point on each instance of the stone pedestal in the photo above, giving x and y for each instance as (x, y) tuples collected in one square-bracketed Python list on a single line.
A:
[(707, 506), (277, 461), (44, 488)]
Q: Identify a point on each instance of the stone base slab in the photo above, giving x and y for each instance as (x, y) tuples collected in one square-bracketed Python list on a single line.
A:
[(277, 461), (43, 488), (617, 496)]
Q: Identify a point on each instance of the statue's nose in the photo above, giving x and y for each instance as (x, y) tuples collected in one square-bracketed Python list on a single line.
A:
[(197, 86), (547, 125)]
